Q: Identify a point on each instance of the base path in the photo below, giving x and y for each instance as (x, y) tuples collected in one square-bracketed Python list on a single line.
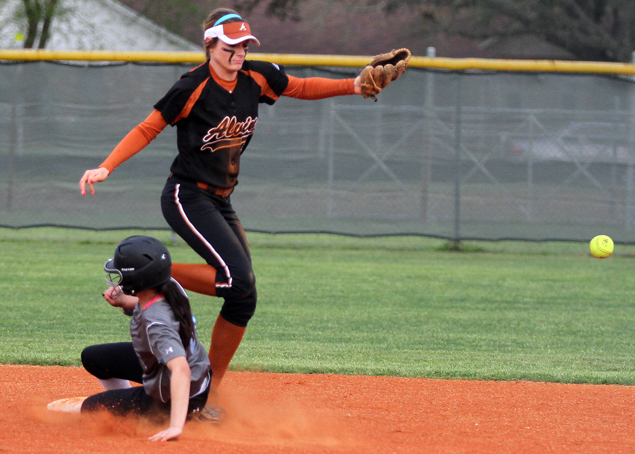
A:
[(320, 414)]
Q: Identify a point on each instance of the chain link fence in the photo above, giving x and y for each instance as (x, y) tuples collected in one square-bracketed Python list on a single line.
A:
[(456, 155)]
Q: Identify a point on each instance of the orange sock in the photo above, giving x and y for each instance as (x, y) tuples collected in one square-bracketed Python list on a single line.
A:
[(195, 277), (226, 338)]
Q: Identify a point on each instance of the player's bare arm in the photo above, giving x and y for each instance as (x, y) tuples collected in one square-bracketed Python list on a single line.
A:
[(117, 298), (358, 85), (91, 177), (180, 395)]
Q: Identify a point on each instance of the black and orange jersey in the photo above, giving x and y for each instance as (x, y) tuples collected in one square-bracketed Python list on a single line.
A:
[(214, 125), (215, 119)]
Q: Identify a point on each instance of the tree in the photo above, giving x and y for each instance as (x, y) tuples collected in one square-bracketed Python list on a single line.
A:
[(39, 16), (184, 17), (282, 9), (594, 30)]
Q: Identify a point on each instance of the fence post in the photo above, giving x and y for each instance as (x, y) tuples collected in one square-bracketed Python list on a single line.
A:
[(614, 164), (426, 170), (15, 136), (530, 169), (630, 177), (330, 173), (457, 164)]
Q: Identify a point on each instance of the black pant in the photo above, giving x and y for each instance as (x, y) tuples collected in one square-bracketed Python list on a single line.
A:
[(119, 360), (209, 225)]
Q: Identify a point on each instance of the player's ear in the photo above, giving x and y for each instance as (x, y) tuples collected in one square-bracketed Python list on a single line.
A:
[(209, 45)]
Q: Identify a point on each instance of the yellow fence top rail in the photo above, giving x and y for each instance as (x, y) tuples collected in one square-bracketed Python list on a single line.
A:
[(453, 64)]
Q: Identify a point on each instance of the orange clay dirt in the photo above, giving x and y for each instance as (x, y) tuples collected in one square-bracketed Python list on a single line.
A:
[(292, 413)]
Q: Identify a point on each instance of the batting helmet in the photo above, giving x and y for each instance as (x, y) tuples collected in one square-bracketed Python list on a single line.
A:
[(141, 262)]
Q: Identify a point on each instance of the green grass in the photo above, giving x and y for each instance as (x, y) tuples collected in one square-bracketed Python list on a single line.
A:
[(403, 306)]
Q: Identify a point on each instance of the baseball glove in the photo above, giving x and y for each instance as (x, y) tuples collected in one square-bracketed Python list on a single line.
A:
[(383, 69)]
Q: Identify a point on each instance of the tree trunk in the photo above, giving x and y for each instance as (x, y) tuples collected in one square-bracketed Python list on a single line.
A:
[(33, 14), (46, 25)]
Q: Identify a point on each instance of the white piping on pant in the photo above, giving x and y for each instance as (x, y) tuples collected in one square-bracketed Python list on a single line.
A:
[(204, 240)]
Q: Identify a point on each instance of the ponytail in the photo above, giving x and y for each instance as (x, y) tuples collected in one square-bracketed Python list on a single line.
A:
[(180, 305)]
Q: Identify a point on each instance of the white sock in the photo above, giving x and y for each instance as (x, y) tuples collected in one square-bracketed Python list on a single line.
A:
[(114, 383)]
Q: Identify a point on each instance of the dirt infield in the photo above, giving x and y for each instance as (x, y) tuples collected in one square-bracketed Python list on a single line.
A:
[(319, 414)]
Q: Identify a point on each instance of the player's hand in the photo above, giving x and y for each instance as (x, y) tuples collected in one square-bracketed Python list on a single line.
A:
[(167, 434), (91, 177), (117, 298)]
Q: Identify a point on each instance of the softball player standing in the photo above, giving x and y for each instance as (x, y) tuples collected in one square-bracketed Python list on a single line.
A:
[(215, 109)]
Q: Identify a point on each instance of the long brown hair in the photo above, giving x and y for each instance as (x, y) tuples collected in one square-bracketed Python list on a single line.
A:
[(211, 20)]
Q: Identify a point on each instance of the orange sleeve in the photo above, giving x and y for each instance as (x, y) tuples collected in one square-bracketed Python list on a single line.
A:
[(318, 87), (136, 140)]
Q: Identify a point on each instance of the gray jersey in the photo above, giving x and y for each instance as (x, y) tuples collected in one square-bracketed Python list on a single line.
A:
[(155, 337)]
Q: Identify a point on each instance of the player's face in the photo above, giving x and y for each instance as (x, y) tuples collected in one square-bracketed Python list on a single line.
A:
[(229, 58)]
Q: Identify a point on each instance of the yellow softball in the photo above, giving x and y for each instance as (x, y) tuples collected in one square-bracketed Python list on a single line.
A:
[(601, 246)]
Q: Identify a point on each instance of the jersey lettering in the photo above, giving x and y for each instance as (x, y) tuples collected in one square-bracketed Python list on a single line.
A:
[(228, 133)]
